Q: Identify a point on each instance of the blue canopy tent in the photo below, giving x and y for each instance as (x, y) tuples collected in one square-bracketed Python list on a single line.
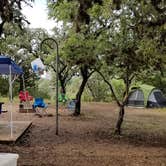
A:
[(9, 67)]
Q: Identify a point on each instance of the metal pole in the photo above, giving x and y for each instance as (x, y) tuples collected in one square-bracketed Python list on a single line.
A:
[(57, 76), (11, 101)]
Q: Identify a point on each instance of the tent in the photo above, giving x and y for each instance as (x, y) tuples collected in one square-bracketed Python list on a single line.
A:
[(9, 67), (146, 96)]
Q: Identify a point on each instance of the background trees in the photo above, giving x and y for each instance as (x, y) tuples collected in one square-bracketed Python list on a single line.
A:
[(122, 40)]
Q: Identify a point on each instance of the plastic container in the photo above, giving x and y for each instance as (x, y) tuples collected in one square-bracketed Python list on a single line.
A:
[(8, 159)]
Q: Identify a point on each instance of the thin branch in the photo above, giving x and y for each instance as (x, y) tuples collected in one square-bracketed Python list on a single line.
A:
[(111, 88)]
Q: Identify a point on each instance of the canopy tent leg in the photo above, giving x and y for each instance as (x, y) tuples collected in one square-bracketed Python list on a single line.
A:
[(11, 101)]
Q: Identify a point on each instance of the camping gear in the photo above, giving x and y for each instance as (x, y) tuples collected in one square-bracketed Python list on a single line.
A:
[(8, 159), (9, 67), (146, 96), (38, 66), (24, 96), (25, 102), (40, 106), (62, 98), (71, 105)]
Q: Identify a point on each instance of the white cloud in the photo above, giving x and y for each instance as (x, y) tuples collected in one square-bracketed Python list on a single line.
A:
[(37, 15)]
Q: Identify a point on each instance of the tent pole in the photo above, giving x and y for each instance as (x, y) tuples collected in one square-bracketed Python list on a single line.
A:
[(10, 97)]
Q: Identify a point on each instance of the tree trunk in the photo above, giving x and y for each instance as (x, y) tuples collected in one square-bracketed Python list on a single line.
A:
[(21, 84), (1, 28), (63, 88), (120, 120), (78, 97)]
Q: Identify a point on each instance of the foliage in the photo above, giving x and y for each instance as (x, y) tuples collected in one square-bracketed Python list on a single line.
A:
[(72, 87), (43, 90), (97, 89), (22, 47), (4, 86), (10, 12), (156, 80)]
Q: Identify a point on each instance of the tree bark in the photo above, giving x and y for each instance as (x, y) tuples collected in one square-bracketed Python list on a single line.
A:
[(120, 120), (78, 96), (1, 28), (120, 104), (21, 84), (85, 76), (63, 87)]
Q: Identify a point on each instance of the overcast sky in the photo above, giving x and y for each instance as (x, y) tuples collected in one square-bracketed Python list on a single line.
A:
[(37, 15)]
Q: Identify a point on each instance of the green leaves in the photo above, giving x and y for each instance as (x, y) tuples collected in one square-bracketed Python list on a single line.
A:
[(64, 11)]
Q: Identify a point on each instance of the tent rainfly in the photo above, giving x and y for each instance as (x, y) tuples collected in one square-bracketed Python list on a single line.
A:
[(9, 67), (146, 96)]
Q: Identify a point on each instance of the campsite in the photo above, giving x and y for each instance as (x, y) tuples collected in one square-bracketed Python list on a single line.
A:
[(28, 130), (89, 139), (82, 83)]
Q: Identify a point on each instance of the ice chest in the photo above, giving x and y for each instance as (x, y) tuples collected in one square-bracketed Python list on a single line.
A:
[(8, 159)]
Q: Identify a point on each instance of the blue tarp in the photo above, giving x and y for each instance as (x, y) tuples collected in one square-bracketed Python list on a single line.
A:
[(5, 62)]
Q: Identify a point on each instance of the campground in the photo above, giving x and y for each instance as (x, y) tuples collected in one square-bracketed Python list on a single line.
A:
[(88, 140)]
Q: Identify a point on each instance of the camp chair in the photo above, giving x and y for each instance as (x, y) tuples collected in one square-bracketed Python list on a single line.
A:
[(24, 96), (25, 99), (62, 100), (40, 107), (71, 105)]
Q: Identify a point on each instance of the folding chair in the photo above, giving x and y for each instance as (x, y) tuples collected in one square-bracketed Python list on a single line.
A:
[(71, 105), (40, 107), (25, 99), (24, 96)]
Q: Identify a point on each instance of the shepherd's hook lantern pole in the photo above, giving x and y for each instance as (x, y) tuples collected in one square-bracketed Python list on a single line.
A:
[(57, 73)]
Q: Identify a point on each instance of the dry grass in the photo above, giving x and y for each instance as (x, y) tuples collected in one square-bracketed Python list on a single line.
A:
[(88, 139)]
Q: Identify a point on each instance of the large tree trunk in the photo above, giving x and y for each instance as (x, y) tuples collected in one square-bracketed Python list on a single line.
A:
[(63, 87), (78, 97), (120, 120), (85, 76)]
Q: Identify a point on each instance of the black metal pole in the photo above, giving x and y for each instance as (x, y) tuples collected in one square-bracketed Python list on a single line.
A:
[(57, 76)]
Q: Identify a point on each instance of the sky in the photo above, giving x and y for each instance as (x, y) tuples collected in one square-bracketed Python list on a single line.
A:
[(37, 15), (38, 18)]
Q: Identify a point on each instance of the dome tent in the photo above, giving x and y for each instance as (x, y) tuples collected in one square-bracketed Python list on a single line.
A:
[(146, 96)]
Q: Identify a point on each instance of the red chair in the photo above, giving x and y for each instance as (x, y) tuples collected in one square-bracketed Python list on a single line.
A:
[(24, 96)]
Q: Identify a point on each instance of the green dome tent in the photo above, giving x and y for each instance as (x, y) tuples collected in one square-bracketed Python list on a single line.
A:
[(146, 96)]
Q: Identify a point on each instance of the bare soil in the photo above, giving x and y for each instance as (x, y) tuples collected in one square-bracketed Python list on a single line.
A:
[(89, 139)]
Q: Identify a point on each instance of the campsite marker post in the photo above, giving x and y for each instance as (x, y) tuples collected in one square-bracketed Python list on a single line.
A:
[(57, 76)]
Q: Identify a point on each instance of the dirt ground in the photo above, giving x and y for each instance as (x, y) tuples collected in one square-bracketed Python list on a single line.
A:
[(88, 140)]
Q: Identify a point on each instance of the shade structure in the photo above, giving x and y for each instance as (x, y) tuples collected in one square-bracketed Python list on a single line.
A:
[(9, 67), (5, 62)]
